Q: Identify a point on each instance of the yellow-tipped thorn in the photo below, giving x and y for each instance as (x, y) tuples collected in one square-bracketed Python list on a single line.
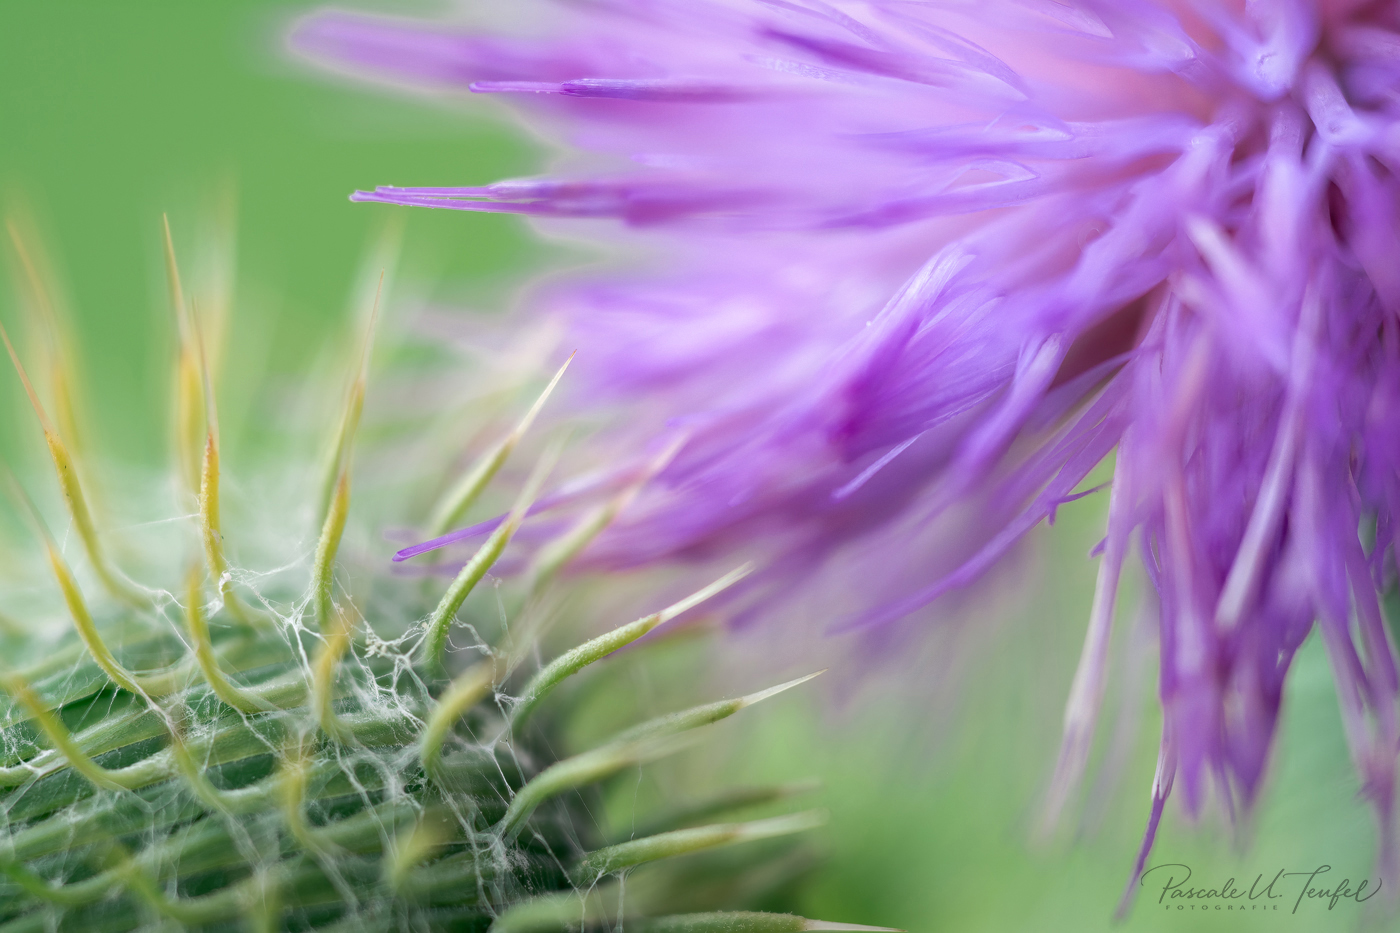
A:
[(469, 488), (411, 848), (192, 772), (335, 498), (73, 492), (172, 271), (57, 734), (762, 695), (467, 690), (697, 716), (60, 351), (204, 653), (73, 597), (337, 642), (323, 565), (262, 901), (557, 554), (292, 791), (189, 386), (197, 413), (576, 659), (625, 855), (211, 534), (34, 402), (435, 642), (155, 897), (188, 426), (338, 464)]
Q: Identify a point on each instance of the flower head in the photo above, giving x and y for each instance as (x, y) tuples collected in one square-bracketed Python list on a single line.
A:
[(921, 255)]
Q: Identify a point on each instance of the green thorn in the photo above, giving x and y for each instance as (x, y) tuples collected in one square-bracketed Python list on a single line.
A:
[(625, 855), (435, 642), (468, 689), (580, 770), (730, 801), (323, 566), (649, 741), (73, 495), (465, 493), (337, 466), (575, 660), (697, 716)]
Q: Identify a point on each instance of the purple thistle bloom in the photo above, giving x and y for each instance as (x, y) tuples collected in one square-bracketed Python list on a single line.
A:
[(925, 260)]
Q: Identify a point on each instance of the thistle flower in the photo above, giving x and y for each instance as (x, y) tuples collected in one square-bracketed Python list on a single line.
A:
[(918, 255), (240, 752)]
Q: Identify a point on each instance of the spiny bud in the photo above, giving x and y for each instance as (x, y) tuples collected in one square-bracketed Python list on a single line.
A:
[(224, 756)]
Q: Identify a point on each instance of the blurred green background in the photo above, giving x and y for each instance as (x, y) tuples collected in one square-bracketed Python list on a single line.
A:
[(115, 113)]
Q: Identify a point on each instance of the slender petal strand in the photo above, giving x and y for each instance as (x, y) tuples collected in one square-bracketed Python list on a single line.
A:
[(921, 260)]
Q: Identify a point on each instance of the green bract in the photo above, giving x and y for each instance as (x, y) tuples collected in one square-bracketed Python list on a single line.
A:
[(222, 755)]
